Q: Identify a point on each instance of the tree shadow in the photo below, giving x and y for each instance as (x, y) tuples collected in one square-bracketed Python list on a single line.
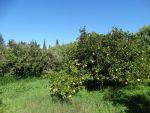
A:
[(135, 104), (1, 106), (138, 104), (94, 85)]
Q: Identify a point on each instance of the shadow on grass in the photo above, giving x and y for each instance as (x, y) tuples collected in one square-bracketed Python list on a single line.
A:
[(138, 104), (94, 85), (1, 107), (6, 80), (135, 104)]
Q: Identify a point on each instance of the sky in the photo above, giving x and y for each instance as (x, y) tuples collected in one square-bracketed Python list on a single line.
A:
[(49, 20)]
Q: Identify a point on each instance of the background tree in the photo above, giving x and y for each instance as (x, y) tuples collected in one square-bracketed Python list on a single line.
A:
[(1, 40), (145, 30), (44, 45), (49, 46), (2, 58), (11, 43), (34, 43), (57, 42)]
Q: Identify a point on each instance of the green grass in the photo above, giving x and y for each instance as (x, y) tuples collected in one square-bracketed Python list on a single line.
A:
[(31, 95)]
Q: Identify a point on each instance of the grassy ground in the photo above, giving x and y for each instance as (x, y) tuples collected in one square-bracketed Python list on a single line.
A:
[(31, 95)]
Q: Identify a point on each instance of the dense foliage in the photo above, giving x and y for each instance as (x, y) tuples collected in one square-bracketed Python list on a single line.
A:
[(118, 58), (63, 85), (23, 59)]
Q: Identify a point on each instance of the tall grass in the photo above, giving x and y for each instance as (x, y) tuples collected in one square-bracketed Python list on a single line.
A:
[(31, 95)]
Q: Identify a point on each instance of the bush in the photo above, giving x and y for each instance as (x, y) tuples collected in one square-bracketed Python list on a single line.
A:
[(63, 54), (24, 60), (64, 84), (115, 57)]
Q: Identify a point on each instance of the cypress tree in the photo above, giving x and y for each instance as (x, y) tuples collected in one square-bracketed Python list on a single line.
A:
[(44, 45), (49, 46), (57, 42)]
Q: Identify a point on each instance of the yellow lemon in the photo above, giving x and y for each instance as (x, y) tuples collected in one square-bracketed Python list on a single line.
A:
[(82, 78), (138, 79), (92, 61), (69, 96), (77, 64), (97, 78), (85, 65)]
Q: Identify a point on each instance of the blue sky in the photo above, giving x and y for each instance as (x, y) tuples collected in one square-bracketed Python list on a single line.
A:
[(26, 20)]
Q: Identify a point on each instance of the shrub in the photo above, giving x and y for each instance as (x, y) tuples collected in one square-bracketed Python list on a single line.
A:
[(118, 57), (64, 84), (26, 60), (63, 54), (115, 57)]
